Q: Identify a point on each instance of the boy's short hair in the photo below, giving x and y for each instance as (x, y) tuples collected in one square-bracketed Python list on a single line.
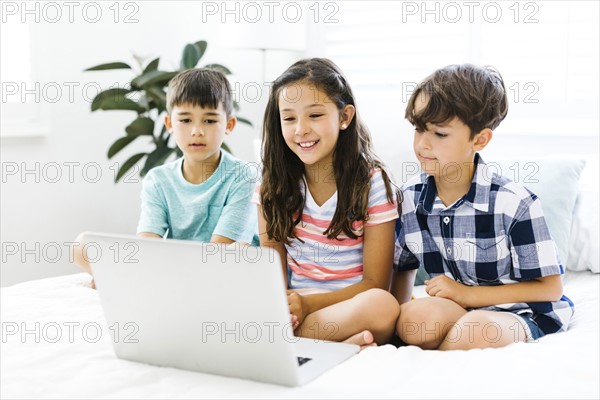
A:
[(200, 87), (475, 95)]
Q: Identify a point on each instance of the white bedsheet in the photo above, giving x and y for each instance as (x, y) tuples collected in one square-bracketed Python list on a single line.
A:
[(563, 365)]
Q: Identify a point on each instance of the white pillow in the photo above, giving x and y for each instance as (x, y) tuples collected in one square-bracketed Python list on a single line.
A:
[(584, 247), (556, 182)]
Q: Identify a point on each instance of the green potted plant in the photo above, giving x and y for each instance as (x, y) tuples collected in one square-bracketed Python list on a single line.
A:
[(146, 96)]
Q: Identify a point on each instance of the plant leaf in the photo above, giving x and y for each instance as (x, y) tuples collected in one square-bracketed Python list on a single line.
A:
[(145, 102), (236, 105), (128, 165), (219, 67), (159, 96), (201, 46), (152, 65), (119, 144), (141, 126), (122, 103), (156, 158), (191, 56), (226, 148), (164, 135), (115, 93), (245, 121), (112, 65), (160, 78)]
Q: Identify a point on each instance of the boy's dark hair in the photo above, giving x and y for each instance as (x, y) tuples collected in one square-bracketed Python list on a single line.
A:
[(353, 160), (200, 87), (475, 95)]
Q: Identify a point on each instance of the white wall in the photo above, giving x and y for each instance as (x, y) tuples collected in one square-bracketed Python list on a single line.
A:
[(37, 216)]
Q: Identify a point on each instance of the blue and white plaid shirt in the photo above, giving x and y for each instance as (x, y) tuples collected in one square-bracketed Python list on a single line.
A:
[(494, 235)]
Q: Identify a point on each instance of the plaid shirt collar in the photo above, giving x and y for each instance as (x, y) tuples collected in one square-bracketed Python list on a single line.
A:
[(478, 196)]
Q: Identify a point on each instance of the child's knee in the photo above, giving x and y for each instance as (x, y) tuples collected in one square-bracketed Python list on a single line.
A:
[(383, 300), (475, 330), (421, 324), (410, 320), (78, 254), (418, 312), (380, 305)]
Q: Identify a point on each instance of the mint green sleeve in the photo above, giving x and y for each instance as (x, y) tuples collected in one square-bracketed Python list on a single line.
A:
[(154, 211), (238, 220)]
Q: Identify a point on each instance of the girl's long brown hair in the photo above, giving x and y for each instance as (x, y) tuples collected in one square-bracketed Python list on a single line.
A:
[(353, 159)]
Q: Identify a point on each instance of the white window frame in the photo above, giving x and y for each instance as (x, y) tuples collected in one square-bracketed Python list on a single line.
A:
[(30, 118)]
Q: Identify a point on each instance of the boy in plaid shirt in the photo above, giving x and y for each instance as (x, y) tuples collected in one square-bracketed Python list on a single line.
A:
[(495, 273)]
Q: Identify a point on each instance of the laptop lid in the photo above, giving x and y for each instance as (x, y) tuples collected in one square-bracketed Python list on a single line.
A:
[(196, 306)]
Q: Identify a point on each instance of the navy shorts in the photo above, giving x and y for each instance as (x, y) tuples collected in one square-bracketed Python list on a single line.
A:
[(531, 327)]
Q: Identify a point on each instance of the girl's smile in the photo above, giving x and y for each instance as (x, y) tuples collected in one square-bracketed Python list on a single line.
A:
[(310, 145)]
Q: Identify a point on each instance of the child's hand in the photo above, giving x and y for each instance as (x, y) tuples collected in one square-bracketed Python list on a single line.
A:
[(295, 304), (442, 286), (295, 323)]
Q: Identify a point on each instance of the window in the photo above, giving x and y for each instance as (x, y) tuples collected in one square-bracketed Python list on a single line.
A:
[(22, 114), (546, 51), (15, 63)]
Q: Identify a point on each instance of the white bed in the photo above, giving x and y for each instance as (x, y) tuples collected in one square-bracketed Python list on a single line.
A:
[(76, 365), (564, 365)]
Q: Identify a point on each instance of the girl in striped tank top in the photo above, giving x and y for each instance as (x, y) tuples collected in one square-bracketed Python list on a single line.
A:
[(328, 207)]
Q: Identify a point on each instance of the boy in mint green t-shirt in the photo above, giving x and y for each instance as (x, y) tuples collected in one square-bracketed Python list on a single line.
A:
[(216, 210), (204, 195)]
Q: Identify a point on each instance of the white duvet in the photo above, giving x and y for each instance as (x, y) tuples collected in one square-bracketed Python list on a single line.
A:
[(68, 354)]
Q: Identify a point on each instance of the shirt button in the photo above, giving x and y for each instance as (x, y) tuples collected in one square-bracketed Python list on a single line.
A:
[(449, 250), (446, 220)]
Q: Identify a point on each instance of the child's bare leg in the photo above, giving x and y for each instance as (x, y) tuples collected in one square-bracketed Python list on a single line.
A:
[(374, 310), (79, 257), (425, 322), (480, 329)]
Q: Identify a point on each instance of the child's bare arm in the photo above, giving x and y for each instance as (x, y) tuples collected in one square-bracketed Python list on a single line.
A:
[(149, 234), (547, 288), (221, 239), (266, 242)]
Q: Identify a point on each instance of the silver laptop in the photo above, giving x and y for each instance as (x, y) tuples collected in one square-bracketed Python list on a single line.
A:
[(204, 307)]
